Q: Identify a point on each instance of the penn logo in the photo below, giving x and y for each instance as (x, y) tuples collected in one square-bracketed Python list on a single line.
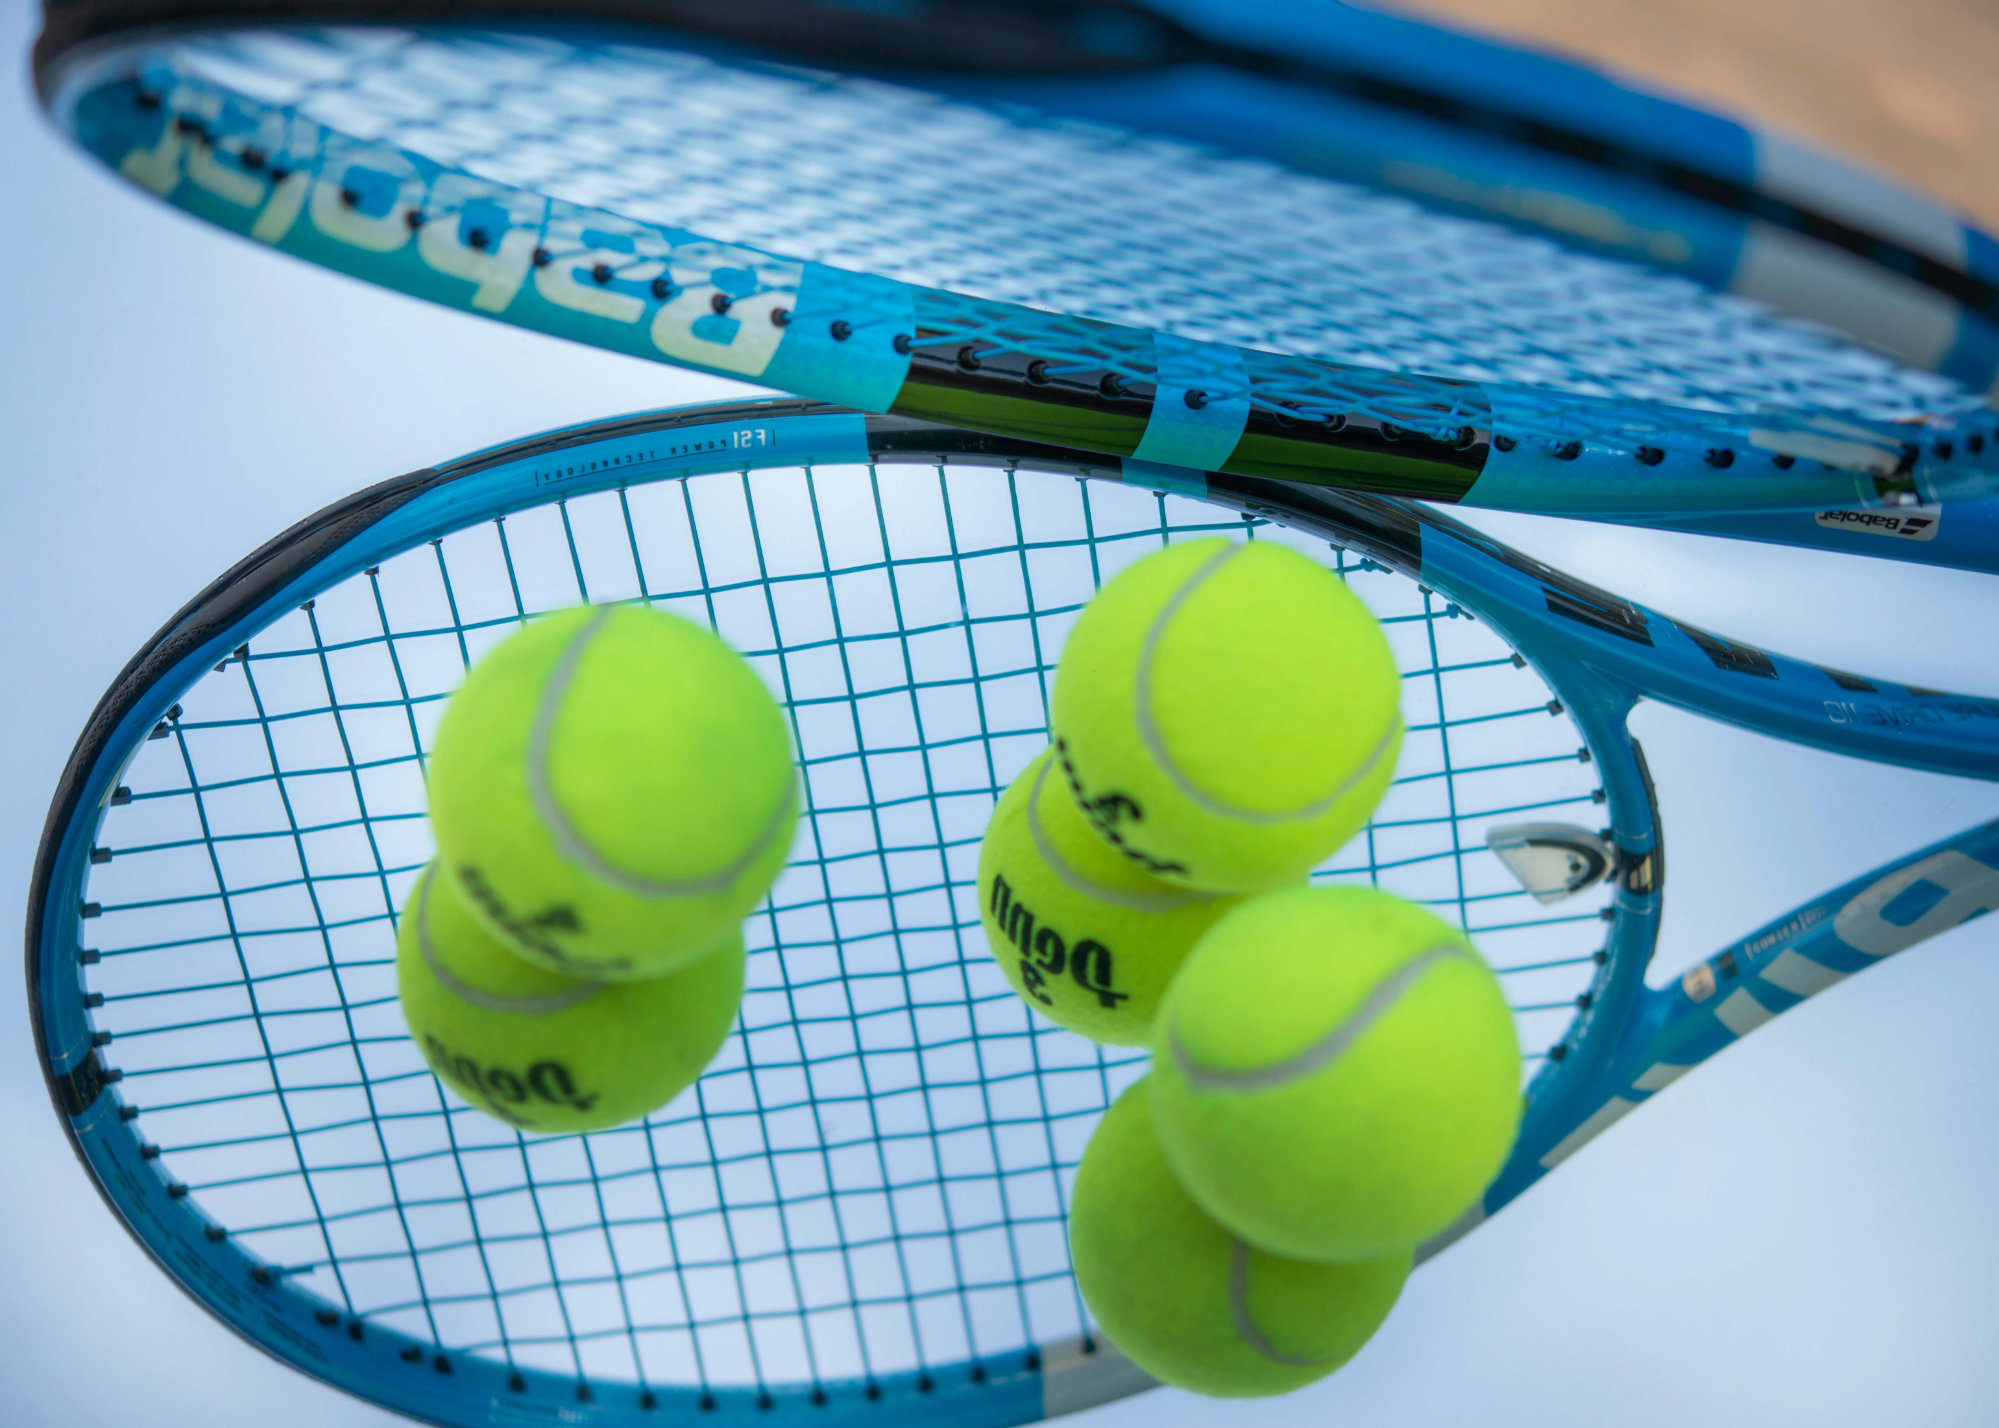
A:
[(1112, 813), (512, 1093), (1046, 954)]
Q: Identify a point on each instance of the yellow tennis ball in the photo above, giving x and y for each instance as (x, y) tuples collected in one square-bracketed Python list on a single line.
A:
[(1190, 1303), (543, 1051), (1089, 940), (1226, 714), (1336, 1074), (612, 790)]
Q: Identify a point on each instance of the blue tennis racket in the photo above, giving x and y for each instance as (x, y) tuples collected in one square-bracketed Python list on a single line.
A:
[(858, 1212), (1221, 234)]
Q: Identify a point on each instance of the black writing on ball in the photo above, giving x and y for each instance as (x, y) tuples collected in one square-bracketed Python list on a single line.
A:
[(534, 931), (1046, 953), (1113, 814), (511, 1091)]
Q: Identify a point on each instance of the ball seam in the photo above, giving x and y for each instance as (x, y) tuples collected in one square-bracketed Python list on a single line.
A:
[(546, 1005), (1245, 1322), (572, 844), (1330, 1046), (1155, 742), (1077, 881)]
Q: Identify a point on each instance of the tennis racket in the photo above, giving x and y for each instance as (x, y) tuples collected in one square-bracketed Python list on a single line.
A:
[(859, 1209), (1129, 229)]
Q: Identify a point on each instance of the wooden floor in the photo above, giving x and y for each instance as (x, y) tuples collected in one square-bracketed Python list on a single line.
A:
[(1907, 87)]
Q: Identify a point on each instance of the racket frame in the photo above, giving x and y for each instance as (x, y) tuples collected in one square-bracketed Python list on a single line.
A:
[(1583, 641)]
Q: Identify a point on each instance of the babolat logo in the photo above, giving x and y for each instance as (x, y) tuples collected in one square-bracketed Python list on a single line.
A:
[(1046, 953), (531, 932), (1111, 814), (1905, 523), (512, 1093)]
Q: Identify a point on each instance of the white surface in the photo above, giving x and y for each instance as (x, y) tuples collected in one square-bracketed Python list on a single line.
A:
[(1800, 1234)]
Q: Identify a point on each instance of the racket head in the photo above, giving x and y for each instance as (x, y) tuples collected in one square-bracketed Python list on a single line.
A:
[(930, 246), (234, 1074)]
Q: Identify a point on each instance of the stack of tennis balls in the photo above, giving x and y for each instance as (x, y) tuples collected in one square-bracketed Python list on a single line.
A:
[(1335, 1073), (611, 790)]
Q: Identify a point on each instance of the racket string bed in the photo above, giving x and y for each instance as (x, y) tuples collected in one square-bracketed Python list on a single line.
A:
[(627, 180), (868, 1186)]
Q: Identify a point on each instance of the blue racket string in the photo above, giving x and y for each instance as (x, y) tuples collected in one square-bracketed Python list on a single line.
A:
[(696, 177), (871, 1178)]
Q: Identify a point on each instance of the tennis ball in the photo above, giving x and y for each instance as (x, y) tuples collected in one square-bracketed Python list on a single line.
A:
[(1226, 714), (546, 1052), (1080, 932), (1190, 1303), (1336, 1074), (611, 791)]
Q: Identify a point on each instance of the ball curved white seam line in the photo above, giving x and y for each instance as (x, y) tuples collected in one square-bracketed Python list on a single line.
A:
[(572, 844), (1155, 744), (1076, 881), (1245, 1322), (546, 1005), (1327, 1048)]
